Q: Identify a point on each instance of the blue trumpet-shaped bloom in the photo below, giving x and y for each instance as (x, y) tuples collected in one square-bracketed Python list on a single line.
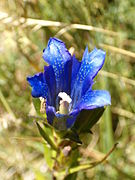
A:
[(66, 74)]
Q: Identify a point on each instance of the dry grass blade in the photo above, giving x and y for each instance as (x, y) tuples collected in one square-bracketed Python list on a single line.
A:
[(87, 28), (123, 112), (100, 157), (107, 155), (118, 50), (45, 23), (38, 139), (5, 18), (117, 77)]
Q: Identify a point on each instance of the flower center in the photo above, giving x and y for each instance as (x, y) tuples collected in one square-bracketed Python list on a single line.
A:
[(64, 103)]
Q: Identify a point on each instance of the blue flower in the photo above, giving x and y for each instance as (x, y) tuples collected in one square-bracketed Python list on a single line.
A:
[(66, 84)]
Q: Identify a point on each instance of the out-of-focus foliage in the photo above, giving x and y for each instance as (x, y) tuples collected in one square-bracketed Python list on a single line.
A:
[(21, 150)]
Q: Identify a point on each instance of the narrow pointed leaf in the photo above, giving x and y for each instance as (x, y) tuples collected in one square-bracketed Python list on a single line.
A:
[(46, 137)]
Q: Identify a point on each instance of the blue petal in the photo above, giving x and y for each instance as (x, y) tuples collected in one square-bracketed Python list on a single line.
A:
[(90, 65), (57, 55), (56, 48), (75, 68), (87, 84), (94, 99), (72, 118), (39, 86), (67, 75), (50, 112), (51, 83)]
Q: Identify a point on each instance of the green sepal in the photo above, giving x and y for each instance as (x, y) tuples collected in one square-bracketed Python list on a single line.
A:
[(86, 120), (69, 134), (72, 135), (60, 123)]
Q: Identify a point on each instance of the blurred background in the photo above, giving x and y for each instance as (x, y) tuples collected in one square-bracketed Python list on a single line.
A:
[(25, 27)]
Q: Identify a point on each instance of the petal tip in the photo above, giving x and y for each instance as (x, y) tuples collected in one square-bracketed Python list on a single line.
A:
[(54, 40)]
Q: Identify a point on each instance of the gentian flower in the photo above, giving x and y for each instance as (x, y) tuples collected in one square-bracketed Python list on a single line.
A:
[(66, 84)]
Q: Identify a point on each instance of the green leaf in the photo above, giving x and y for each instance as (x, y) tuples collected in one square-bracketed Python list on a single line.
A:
[(41, 176), (46, 137), (106, 128), (49, 155), (106, 131)]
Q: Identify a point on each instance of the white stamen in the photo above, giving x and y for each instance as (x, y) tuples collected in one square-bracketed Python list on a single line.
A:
[(41, 98), (65, 97), (64, 103)]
